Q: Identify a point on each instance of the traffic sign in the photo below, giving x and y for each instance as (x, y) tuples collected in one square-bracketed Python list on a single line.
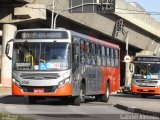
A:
[(127, 59)]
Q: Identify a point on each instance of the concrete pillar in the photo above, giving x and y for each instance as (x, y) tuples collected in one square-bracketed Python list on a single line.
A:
[(0, 55), (0, 32), (6, 72)]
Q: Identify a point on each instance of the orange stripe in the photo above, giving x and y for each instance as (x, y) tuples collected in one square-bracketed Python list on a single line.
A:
[(62, 91), (134, 89), (113, 75)]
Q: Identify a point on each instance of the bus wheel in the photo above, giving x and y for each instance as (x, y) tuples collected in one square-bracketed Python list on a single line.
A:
[(105, 97), (82, 93), (144, 95), (81, 98), (77, 101), (32, 100)]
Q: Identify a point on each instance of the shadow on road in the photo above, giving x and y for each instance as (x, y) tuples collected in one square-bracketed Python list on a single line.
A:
[(135, 96), (48, 101)]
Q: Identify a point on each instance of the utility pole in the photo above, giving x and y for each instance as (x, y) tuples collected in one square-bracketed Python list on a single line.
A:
[(128, 73), (127, 38), (53, 7), (127, 58)]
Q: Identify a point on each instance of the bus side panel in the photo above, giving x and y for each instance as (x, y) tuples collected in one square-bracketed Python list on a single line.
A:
[(76, 78), (103, 80), (116, 78), (100, 80), (88, 74), (113, 75)]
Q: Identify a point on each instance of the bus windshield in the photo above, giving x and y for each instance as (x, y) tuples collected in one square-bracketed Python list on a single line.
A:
[(41, 56), (147, 68)]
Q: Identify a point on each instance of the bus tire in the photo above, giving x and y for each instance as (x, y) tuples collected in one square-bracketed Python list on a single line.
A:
[(82, 92), (32, 100), (77, 101), (97, 97), (105, 97), (144, 95), (81, 98)]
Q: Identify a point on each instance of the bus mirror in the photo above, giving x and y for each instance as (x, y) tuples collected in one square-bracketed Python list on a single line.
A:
[(77, 57), (130, 67), (8, 49)]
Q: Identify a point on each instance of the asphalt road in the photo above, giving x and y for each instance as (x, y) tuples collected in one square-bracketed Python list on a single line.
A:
[(52, 108), (55, 109)]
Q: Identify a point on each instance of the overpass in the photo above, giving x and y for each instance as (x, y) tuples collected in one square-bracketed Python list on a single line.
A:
[(20, 14)]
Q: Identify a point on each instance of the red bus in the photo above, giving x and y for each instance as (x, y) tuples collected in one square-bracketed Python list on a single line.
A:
[(62, 63)]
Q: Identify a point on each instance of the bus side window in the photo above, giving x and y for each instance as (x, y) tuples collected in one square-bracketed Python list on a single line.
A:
[(87, 53), (94, 54), (75, 50), (90, 52), (98, 54), (108, 56), (82, 51), (112, 57), (116, 58), (103, 56)]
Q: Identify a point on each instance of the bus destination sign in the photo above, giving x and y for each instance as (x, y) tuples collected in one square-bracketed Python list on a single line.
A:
[(147, 59)]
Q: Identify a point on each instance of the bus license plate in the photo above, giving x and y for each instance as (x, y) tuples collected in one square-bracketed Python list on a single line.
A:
[(38, 90)]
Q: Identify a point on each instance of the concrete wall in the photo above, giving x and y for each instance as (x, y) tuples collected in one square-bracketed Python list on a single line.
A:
[(0, 53)]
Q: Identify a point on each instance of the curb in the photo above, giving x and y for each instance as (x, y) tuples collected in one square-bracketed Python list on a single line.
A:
[(137, 110)]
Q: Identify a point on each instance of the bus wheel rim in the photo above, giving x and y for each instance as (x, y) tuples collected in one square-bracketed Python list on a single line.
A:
[(107, 92)]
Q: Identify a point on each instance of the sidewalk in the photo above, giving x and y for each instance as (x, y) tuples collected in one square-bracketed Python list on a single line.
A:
[(147, 106)]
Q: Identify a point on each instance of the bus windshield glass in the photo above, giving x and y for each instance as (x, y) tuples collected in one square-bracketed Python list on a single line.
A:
[(41, 56), (145, 69)]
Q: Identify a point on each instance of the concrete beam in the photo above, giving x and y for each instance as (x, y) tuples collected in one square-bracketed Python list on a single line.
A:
[(27, 1), (28, 12), (105, 24)]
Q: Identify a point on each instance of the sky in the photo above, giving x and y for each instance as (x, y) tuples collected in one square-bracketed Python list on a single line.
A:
[(149, 6)]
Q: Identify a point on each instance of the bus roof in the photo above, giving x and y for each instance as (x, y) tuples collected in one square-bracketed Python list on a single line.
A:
[(147, 59), (72, 32)]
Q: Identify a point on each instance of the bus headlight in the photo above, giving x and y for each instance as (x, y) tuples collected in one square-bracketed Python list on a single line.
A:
[(16, 82), (65, 74), (63, 82)]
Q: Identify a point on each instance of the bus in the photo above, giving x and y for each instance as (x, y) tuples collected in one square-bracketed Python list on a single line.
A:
[(63, 63), (146, 77)]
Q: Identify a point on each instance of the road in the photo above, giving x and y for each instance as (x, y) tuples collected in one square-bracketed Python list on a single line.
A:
[(55, 109)]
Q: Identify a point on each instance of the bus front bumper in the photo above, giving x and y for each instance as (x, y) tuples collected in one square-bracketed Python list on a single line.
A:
[(65, 90), (145, 90)]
